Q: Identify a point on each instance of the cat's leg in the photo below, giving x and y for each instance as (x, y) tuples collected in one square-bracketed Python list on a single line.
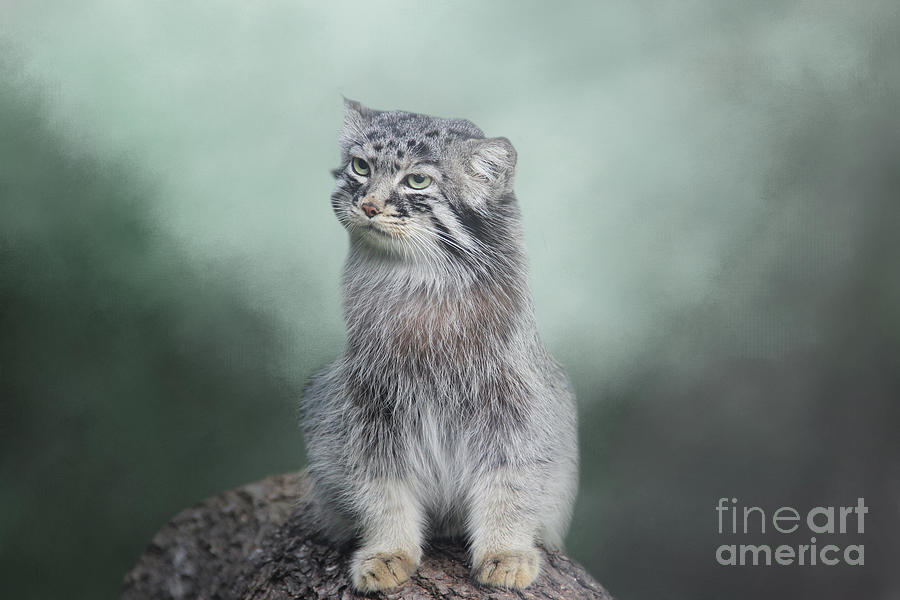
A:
[(391, 524), (502, 523), (560, 484)]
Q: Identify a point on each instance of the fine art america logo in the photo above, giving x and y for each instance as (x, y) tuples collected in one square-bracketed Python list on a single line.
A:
[(820, 520)]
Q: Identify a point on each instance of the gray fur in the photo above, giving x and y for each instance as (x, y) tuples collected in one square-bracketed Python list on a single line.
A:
[(445, 415)]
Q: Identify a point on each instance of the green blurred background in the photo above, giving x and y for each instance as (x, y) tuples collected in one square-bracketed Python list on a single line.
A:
[(711, 196)]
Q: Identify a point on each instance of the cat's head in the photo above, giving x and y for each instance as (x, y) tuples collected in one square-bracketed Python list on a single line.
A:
[(424, 188)]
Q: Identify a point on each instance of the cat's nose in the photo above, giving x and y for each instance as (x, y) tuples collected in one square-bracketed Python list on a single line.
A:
[(370, 209)]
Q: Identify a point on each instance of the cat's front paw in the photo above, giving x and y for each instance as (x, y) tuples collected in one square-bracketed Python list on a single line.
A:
[(381, 570), (512, 569)]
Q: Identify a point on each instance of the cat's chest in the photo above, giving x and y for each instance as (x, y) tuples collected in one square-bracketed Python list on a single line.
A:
[(437, 447), (452, 327)]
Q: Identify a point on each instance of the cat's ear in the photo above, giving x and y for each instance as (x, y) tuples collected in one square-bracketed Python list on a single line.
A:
[(356, 117), (490, 167)]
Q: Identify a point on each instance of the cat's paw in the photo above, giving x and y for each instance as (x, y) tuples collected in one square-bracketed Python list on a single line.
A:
[(511, 569), (382, 570)]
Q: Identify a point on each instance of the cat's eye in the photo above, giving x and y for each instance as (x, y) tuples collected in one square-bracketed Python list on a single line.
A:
[(417, 181), (361, 167)]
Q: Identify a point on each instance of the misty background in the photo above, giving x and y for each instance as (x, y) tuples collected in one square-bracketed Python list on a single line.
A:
[(711, 199)]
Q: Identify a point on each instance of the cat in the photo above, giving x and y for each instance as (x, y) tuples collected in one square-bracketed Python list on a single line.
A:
[(445, 416)]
